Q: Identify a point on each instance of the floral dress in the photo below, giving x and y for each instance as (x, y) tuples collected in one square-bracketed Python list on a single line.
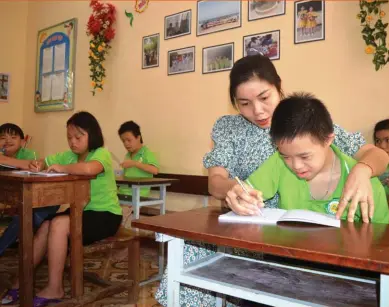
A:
[(240, 147)]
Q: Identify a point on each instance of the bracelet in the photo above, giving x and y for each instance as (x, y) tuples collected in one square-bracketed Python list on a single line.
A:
[(364, 163)]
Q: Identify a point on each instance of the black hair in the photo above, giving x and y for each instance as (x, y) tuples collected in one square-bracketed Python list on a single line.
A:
[(132, 127), (11, 129), (253, 66), (298, 115), (89, 123), (382, 125)]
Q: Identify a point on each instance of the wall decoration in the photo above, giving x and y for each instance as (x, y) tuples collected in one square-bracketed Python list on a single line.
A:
[(54, 80), (215, 16), (267, 44), (181, 61), (141, 5), (130, 16), (100, 29), (4, 87), (178, 24), (374, 31), (309, 21), (259, 9), (218, 58), (150, 51)]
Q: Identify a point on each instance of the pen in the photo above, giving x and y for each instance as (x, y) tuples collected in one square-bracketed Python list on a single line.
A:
[(247, 192), (36, 162)]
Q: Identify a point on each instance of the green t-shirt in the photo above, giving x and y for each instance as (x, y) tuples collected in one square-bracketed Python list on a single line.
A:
[(274, 176), (144, 155), (103, 188), (26, 154)]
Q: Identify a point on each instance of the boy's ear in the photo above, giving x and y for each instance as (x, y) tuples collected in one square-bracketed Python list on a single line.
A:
[(330, 139)]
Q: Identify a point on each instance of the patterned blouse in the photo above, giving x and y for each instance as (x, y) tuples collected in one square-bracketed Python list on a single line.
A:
[(241, 147)]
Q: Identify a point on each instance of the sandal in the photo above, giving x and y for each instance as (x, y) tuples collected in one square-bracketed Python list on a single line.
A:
[(10, 297), (42, 301)]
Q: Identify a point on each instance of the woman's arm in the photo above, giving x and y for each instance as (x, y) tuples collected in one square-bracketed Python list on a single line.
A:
[(374, 158), (219, 183)]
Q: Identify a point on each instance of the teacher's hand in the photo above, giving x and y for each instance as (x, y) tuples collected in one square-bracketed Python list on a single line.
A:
[(357, 189), (242, 203)]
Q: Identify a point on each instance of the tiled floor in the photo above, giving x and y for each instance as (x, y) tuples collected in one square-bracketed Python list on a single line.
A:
[(111, 265)]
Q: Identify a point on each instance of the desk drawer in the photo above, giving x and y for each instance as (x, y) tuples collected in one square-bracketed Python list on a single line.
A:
[(11, 194), (52, 194)]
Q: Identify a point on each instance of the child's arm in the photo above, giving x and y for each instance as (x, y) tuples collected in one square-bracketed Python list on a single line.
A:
[(23, 164), (91, 168), (152, 169)]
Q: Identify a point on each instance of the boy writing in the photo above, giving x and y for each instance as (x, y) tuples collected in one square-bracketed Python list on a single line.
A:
[(308, 171)]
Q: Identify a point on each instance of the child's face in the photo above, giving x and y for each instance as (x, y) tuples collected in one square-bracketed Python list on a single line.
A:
[(382, 140), (77, 139), (130, 142), (305, 156), (11, 142)]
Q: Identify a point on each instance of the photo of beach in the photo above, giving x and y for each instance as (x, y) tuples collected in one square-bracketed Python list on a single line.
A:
[(215, 16)]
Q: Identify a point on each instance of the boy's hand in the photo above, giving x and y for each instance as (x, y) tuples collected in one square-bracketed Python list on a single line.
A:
[(128, 163), (243, 204), (36, 165), (56, 168)]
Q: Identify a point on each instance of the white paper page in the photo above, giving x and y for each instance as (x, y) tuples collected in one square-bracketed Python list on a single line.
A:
[(59, 59), (270, 216), (307, 216), (47, 60), (58, 86), (44, 174), (46, 88), (8, 166)]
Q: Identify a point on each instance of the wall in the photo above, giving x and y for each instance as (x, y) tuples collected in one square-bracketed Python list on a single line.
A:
[(177, 113)]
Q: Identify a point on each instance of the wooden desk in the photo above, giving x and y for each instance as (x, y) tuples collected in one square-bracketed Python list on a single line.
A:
[(28, 192), (357, 246)]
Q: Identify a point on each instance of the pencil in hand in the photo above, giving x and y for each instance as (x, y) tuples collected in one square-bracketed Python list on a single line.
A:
[(246, 191)]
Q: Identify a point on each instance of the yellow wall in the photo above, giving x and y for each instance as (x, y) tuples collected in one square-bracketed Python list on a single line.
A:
[(177, 113)]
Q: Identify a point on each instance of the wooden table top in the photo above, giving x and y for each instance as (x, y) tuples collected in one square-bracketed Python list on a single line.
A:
[(144, 181), (355, 245), (10, 176)]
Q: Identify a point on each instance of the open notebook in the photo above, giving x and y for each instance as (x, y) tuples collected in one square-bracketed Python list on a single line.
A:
[(272, 216), (45, 174)]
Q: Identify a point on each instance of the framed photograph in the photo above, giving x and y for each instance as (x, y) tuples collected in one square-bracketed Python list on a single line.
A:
[(178, 24), (55, 64), (150, 51), (309, 21), (4, 87), (216, 16), (259, 9), (218, 58), (267, 44), (181, 61)]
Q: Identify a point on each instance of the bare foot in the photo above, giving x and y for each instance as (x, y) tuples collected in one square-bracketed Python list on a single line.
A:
[(50, 292)]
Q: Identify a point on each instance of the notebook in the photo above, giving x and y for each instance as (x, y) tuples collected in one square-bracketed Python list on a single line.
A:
[(273, 216), (5, 166), (45, 174)]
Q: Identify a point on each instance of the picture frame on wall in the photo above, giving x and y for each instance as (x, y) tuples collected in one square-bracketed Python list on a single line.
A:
[(178, 24), (309, 21), (150, 51), (266, 43), (218, 58), (260, 9), (4, 87), (216, 16), (181, 61), (55, 67)]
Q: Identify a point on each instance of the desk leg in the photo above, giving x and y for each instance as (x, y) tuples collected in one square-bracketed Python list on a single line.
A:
[(136, 201), (162, 196), (81, 198), (26, 265), (175, 265), (384, 290)]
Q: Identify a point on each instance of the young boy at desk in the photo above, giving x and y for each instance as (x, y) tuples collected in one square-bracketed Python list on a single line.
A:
[(307, 171), (381, 140), (15, 155)]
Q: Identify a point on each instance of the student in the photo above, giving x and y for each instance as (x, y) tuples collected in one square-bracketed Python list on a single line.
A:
[(14, 154), (381, 140), (139, 161), (102, 215), (308, 171)]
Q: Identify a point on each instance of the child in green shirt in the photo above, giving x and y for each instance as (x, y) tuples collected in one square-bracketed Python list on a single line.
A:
[(102, 215), (307, 171), (139, 162), (381, 140)]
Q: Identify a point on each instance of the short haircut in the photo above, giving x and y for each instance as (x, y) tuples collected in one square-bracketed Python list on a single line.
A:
[(132, 127), (298, 115), (89, 123), (382, 125), (11, 129)]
